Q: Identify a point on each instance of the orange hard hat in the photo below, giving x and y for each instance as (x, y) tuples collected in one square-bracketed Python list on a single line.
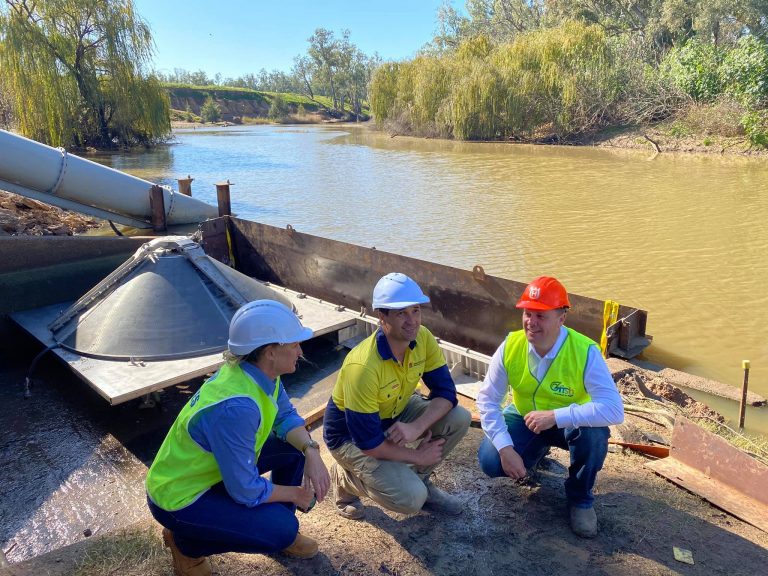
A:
[(544, 293)]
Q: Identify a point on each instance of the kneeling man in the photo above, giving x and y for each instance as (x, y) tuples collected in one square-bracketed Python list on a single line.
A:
[(387, 440), (562, 395)]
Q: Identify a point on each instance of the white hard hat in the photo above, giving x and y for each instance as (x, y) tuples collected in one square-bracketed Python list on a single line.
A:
[(395, 291), (263, 322)]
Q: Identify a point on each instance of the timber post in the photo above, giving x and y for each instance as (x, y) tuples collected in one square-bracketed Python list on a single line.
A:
[(744, 387), (157, 205), (185, 185), (222, 197)]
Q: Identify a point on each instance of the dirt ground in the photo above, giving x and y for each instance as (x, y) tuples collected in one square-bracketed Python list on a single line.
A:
[(506, 527), (657, 139), (20, 215)]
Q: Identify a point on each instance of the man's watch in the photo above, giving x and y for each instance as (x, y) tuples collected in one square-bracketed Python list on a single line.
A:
[(309, 444)]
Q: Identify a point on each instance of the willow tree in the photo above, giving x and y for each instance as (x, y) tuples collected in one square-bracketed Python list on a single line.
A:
[(76, 71)]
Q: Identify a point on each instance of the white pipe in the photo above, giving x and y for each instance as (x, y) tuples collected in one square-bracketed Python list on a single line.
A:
[(54, 176)]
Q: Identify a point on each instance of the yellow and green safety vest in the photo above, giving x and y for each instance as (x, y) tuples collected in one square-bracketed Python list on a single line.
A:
[(563, 384), (182, 470)]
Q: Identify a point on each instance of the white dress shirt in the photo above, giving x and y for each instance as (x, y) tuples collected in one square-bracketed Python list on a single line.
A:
[(605, 408)]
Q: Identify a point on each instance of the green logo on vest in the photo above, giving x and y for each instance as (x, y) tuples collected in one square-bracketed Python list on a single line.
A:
[(561, 389)]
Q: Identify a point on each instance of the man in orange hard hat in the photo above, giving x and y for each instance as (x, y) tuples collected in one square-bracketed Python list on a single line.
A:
[(562, 395)]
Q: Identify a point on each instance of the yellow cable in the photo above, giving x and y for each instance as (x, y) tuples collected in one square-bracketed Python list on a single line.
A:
[(229, 247), (610, 315)]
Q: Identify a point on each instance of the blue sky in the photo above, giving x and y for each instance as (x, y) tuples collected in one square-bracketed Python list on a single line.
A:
[(236, 37)]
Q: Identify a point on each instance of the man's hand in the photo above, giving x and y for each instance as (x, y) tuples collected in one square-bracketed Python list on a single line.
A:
[(316, 473), (512, 463), (402, 433), (540, 420), (429, 451)]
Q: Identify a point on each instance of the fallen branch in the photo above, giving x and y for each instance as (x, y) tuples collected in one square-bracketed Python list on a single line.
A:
[(652, 141)]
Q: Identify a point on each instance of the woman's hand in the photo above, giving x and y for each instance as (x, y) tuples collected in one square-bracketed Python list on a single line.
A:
[(304, 495), (316, 474)]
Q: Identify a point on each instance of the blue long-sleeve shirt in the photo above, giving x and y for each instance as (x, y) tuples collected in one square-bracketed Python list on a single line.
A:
[(228, 431)]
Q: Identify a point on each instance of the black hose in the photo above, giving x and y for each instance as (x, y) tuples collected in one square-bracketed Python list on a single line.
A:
[(28, 379), (112, 225)]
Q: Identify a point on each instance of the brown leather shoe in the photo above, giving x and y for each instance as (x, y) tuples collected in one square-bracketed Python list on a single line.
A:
[(302, 548), (185, 565)]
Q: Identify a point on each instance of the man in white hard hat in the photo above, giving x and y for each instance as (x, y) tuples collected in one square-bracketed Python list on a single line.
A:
[(385, 439), (205, 485)]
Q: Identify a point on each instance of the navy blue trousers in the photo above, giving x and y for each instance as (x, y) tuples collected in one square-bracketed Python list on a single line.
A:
[(215, 523), (587, 446)]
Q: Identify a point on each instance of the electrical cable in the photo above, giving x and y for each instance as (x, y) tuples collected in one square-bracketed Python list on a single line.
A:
[(28, 379)]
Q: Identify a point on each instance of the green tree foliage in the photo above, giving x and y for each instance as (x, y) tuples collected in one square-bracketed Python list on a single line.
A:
[(564, 68), (705, 71), (210, 111), (336, 68), (558, 81), (694, 67), (744, 71), (279, 109), (664, 23), (76, 73), (500, 20)]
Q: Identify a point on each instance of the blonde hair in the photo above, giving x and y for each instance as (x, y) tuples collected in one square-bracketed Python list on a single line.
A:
[(252, 356)]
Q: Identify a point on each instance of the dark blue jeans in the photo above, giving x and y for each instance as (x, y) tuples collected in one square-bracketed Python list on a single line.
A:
[(587, 446), (215, 523)]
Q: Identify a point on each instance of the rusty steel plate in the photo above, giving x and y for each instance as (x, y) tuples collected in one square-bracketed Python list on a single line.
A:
[(472, 309), (708, 466)]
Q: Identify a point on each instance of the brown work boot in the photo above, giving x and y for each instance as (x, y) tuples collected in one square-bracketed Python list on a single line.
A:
[(302, 548), (185, 565), (584, 522), (440, 501), (347, 505)]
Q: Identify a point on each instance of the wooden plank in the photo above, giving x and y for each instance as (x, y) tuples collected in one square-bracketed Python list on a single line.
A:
[(314, 415)]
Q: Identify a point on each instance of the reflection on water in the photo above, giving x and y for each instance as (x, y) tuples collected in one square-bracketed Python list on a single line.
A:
[(681, 236)]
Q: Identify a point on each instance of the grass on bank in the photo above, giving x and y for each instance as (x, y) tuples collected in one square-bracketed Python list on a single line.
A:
[(200, 93)]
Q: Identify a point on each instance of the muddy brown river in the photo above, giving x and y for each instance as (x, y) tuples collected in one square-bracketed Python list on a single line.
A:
[(682, 236)]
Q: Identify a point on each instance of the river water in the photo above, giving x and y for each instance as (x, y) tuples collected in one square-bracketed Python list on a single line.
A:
[(682, 236)]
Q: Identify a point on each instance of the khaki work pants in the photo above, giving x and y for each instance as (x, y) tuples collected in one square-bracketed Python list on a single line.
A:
[(394, 485)]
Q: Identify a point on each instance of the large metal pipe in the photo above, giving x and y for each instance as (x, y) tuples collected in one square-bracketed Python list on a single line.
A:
[(54, 176)]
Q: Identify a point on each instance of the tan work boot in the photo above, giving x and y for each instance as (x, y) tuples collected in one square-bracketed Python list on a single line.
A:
[(302, 548), (185, 565), (584, 522), (441, 501), (347, 505)]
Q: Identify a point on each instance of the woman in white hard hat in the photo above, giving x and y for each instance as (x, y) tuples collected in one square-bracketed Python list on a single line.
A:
[(205, 485)]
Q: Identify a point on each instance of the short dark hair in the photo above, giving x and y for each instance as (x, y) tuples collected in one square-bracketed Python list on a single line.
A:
[(384, 311)]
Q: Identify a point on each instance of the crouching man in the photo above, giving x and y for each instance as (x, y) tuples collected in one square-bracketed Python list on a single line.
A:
[(385, 439), (562, 395)]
